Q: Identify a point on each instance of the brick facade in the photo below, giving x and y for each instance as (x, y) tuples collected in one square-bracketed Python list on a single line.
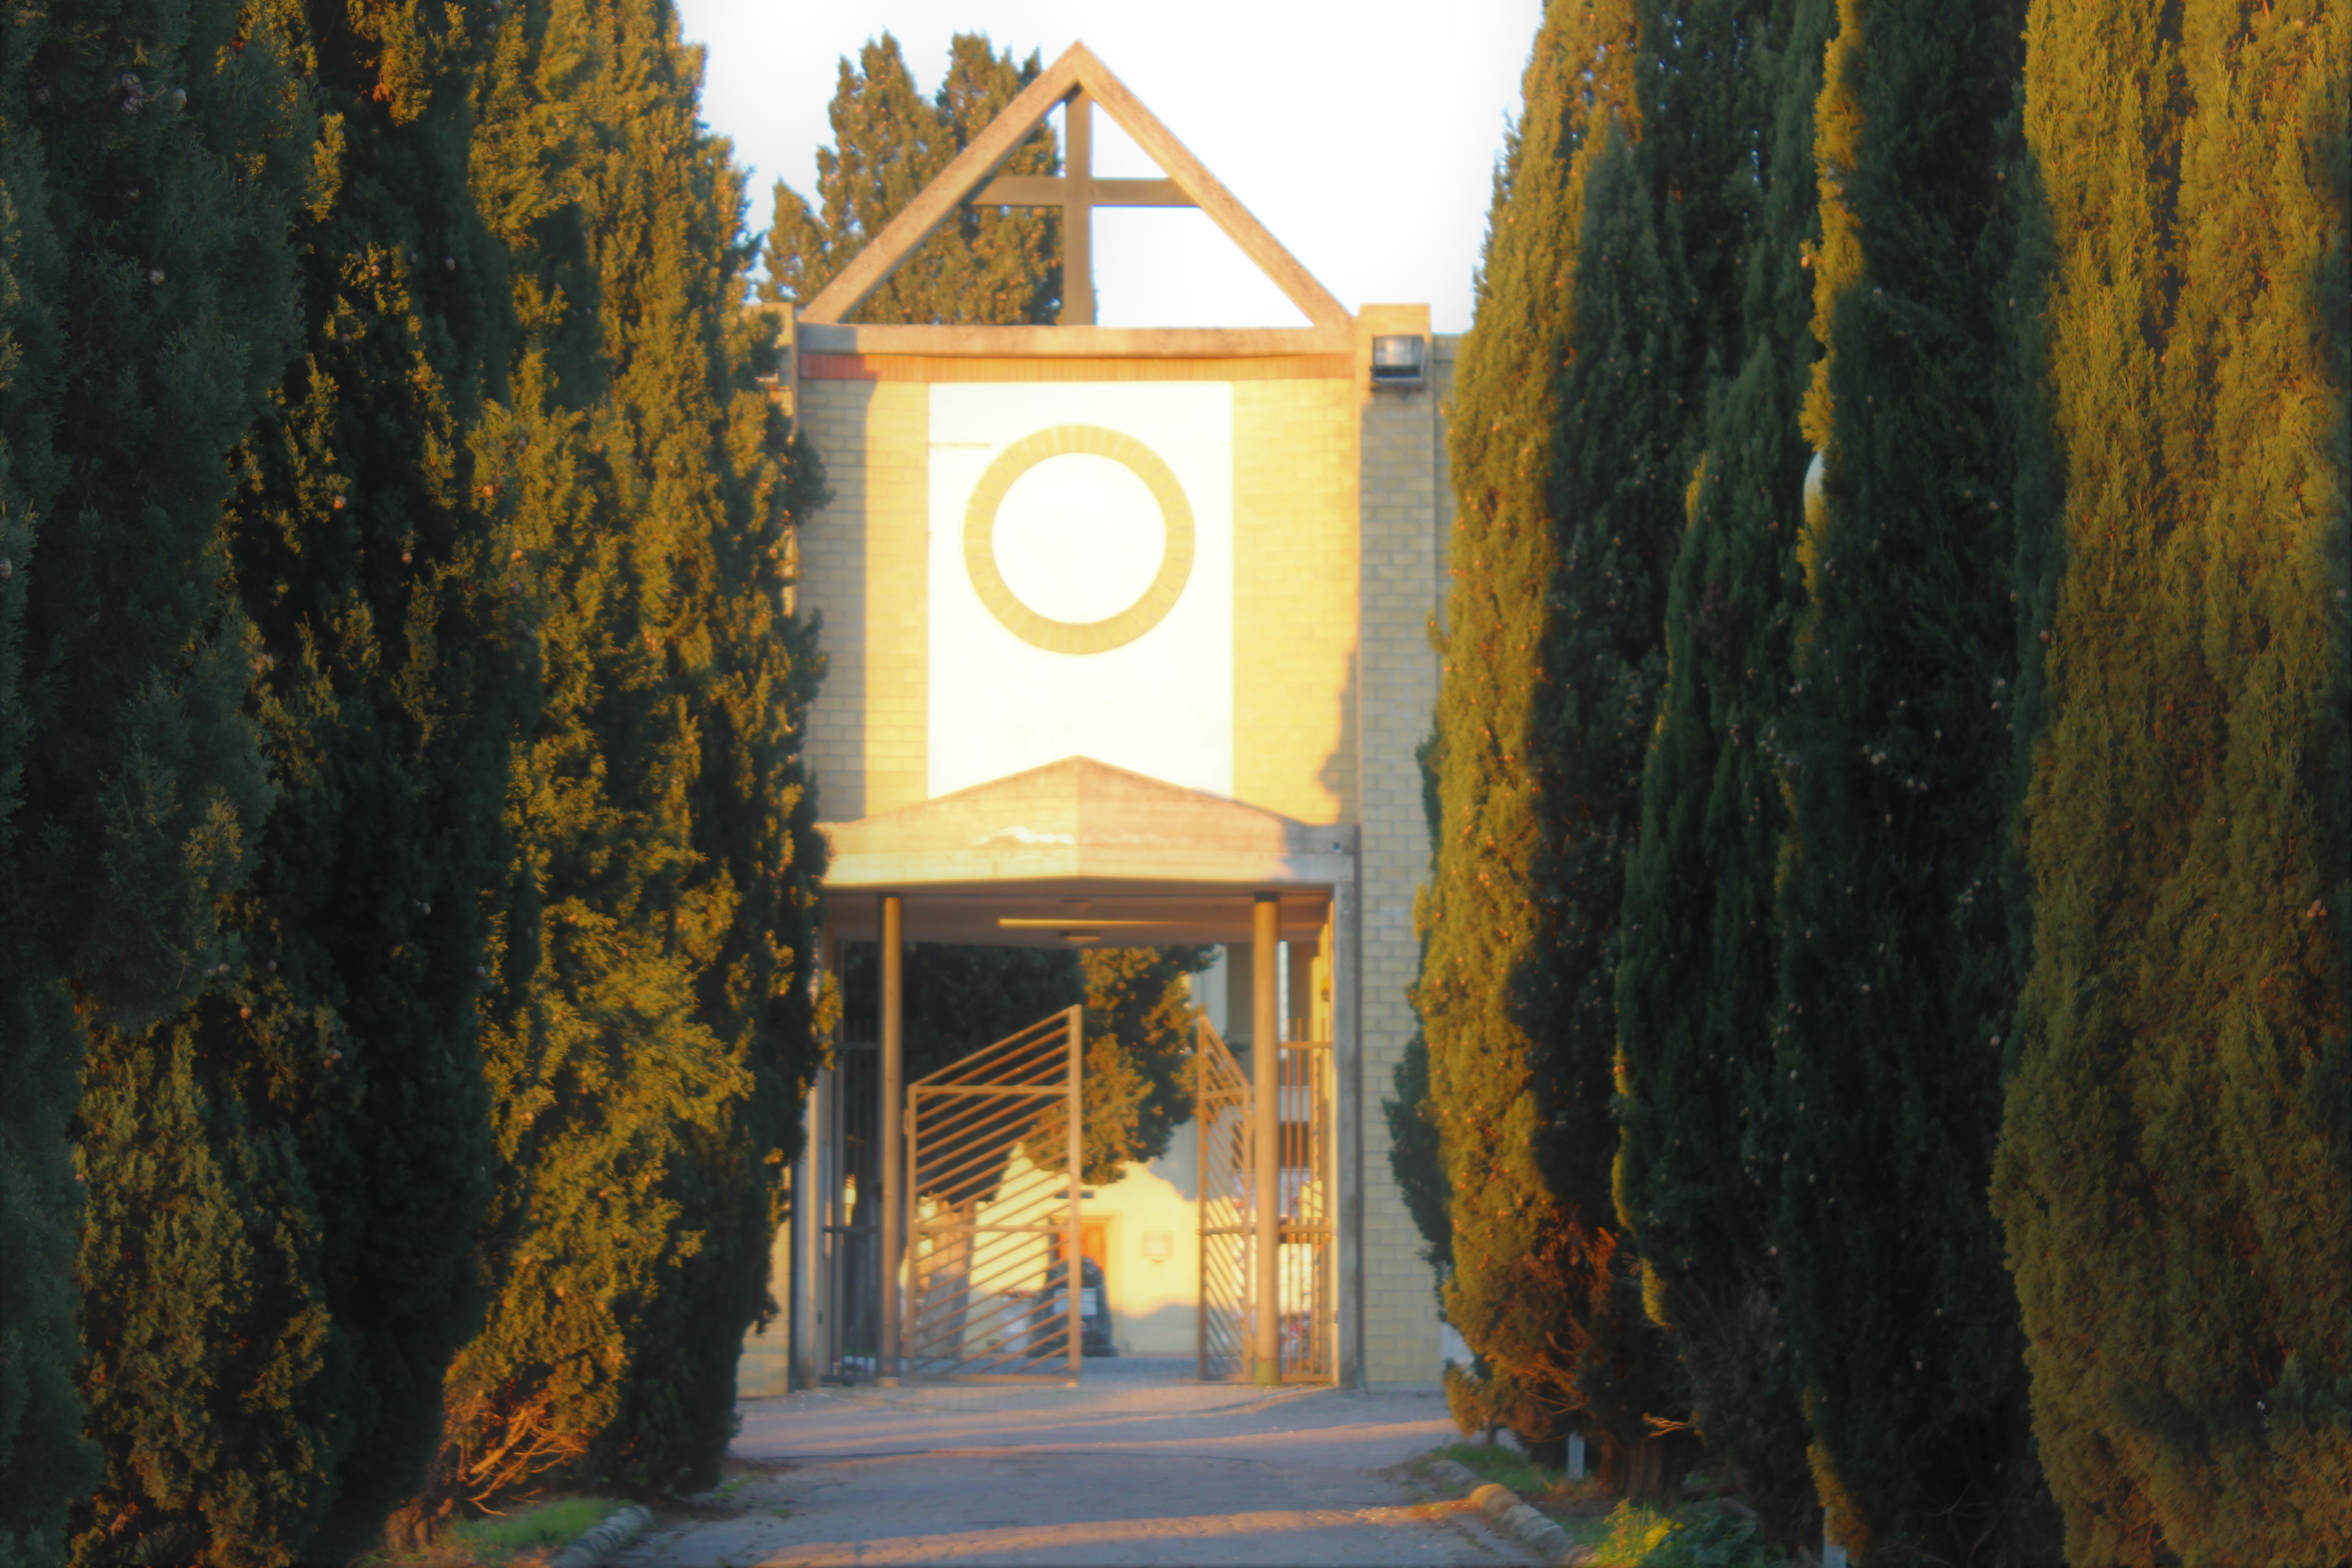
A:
[(1342, 506), (862, 569)]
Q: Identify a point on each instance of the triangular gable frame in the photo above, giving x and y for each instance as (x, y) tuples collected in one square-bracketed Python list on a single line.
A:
[(1077, 70)]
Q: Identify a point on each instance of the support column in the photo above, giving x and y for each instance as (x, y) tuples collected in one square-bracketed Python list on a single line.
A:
[(1266, 1144), (1298, 1007), (811, 1212), (808, 1233), (894, 1127)]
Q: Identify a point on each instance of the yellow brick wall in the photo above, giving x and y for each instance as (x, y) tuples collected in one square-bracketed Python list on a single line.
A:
[(864, 563), (1294, 597), (1407, 511)]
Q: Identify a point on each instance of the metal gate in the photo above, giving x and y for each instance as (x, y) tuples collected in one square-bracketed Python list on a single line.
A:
[(992, 1164), (1222, 1119)]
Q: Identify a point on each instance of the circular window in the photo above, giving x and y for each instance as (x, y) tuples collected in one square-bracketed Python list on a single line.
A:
[(1025, 620)]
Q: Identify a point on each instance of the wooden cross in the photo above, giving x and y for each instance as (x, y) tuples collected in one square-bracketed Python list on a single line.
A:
[(1077, 193)]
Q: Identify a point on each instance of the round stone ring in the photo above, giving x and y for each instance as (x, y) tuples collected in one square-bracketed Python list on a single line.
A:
[(1078, 636)]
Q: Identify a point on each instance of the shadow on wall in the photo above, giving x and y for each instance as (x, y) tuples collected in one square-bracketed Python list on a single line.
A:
[(1340, 771)]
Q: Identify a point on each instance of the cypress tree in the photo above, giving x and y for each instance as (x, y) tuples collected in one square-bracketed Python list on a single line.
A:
[(1137, 1086), (285, 1175), (1617, 477), (1517, 1084), (1417, 1159), (1416, 1151), (652, 1026), (1636, 366), (959, 998), (1895, 986), (148, 176), (1698, 1176), (992, 265), (2174, 1173)]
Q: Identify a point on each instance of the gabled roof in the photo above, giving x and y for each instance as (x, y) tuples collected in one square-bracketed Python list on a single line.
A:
[(1075, 74)]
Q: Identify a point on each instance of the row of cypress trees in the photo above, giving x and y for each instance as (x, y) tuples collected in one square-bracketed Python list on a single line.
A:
[(1890, 830), (409, 865)]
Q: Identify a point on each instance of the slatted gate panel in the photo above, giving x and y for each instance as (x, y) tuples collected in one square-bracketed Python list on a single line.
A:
[(1308, 1258), (1305, 1260), (1221, 1120), (992, 1166)]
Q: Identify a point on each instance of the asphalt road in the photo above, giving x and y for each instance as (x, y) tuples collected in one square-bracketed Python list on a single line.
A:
[(1137, 1464)]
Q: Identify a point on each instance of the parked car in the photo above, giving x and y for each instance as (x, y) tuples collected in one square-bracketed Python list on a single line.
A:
[(1094, 1308)]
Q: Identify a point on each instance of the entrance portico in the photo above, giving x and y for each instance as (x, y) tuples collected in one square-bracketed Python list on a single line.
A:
[(1130, 643), (1079, 853)]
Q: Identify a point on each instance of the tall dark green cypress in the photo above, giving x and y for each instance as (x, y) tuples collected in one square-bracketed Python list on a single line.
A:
[(1616, 491), (1634, 371), (2174, 1173), (652, 1026), (1698, 1176), (1417, 1159), (149, 172), (1896, 984), (1416, 1151), (264, 1363), (1541, 1288), (1138, 1038)]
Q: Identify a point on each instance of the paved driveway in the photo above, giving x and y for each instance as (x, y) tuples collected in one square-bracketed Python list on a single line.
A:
[(1137, 1464)]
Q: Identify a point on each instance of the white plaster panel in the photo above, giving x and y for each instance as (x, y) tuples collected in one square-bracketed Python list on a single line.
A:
[(1075, 535)]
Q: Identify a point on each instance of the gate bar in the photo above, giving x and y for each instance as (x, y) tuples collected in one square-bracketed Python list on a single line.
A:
[(1266, 1058), (894, 1099), (1074, 1263)]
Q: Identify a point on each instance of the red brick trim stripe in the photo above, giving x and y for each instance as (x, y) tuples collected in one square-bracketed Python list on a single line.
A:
[(941, 368)]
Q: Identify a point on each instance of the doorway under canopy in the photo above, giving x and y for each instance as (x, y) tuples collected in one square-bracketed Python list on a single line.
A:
[(1071, 855)]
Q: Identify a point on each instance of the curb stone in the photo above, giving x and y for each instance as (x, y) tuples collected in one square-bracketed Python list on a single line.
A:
[(591, 1548), (1503, 1505)]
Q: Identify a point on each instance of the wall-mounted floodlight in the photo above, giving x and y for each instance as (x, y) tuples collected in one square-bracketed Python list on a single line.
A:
[(1399, 361)]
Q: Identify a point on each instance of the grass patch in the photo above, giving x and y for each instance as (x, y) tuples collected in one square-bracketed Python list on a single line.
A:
[(1575, 1506), (1696, 1537), (1633, 1533), (1508, 1467), (530, 1531)]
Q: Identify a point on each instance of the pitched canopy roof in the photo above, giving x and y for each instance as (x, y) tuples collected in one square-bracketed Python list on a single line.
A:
[(1081, 849)]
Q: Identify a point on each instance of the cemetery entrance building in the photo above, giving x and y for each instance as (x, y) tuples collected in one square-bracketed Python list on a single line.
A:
[(1131, 640)]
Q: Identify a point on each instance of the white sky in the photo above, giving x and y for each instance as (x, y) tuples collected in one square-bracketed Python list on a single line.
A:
[(1363, 133)]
